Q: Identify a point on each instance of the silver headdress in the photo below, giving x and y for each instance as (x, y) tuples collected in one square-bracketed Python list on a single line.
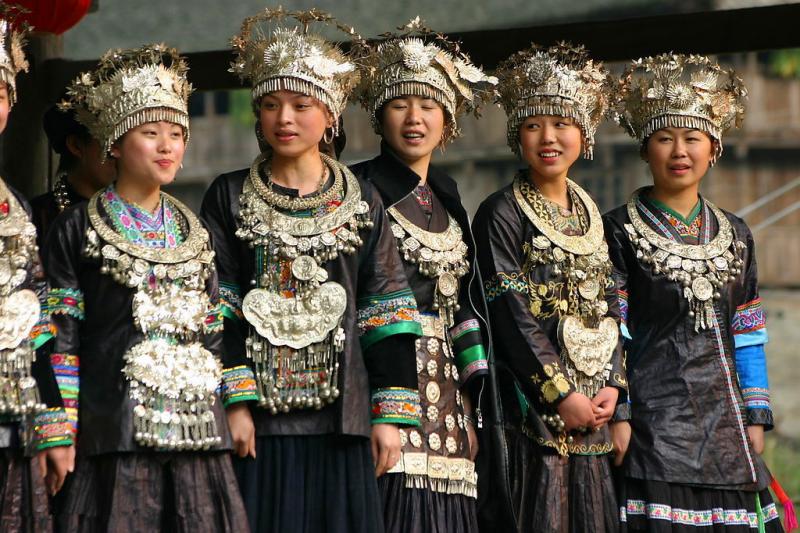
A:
[(130, 88), (561, 80), (683, 91), (12, 56), (420, 62), (288, 57)]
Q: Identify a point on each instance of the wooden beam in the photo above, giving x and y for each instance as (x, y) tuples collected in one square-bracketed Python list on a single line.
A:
[(709, 32)]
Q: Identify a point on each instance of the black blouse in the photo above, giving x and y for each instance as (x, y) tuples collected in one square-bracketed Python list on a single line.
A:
[(688, 414)]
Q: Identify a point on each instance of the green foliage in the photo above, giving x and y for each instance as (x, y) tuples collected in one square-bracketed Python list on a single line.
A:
[(785, 63), (241, 109), (782, 456)]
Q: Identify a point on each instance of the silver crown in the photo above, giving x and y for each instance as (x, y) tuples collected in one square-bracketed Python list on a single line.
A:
[(561, 80)]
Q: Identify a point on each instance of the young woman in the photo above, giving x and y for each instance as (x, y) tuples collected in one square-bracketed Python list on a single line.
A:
[(695, 330), (82, 169), (551, 298), (27, 381), (134, 300), (433, 486), (319, 320)]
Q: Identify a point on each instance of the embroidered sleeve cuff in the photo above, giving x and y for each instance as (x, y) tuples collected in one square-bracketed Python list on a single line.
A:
[(553, 385), (760, 417), (616, 379), (622, 412), (385, 315), (396, 405), (230, 301), (66, 368), (622, 298), (52, 428), (468, 346), (755, 398), (42, 332), (66, 301), (749, 317), (238, 385), (214, 319), (502, 282)]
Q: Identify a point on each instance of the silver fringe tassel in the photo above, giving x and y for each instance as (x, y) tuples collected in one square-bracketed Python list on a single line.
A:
[(684, 121), (19, 394), (588, 386), (299, 85), (314, 372), (447, 486), (413, 88), (449, 475), (143, 116), (173, 424), (549, 105)]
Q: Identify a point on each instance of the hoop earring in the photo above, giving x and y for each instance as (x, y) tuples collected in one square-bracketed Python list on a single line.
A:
[(263, 145), (325, 137)]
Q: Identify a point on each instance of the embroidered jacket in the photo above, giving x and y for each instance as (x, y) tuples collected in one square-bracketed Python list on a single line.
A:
[(692, 392), (524, 302), (377, 377), (95, 328), (50, 427), (526, 349), (395, 182), (442, 437)]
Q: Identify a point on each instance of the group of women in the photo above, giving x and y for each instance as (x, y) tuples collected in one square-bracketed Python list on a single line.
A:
[(331, 326)]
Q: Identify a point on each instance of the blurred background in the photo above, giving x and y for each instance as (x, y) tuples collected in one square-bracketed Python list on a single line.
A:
[(758, 176)]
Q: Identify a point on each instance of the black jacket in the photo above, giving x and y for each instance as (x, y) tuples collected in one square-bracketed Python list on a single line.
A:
[(688, 416), (374, 270), (102, 337), (395, 181), (526, 344)]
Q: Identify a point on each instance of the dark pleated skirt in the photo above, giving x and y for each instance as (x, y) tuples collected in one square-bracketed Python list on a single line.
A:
[(554, 494), (168, 492), (410, 510), (656, 506), (24, 505), (310, 484)]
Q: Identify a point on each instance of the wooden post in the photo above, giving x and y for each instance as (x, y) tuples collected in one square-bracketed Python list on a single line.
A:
[(26, 156)]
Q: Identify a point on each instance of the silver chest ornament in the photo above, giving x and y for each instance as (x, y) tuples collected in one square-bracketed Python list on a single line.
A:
[(441, 256), (172, 377), (295, 340), (701, 269), (19, 311), (587, 337)]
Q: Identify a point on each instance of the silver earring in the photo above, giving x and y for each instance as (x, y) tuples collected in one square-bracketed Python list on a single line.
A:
[(181, 166), (325, 138)]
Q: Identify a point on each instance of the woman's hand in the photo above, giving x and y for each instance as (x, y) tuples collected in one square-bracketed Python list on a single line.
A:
[(472, 439), (756, 434), (243, 430), (54, 465), (385, 447), (620, 439), (577, 412), (604, 402), (472, 435)]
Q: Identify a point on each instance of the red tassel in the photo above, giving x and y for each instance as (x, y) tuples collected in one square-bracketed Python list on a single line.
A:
[(789, 516)]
